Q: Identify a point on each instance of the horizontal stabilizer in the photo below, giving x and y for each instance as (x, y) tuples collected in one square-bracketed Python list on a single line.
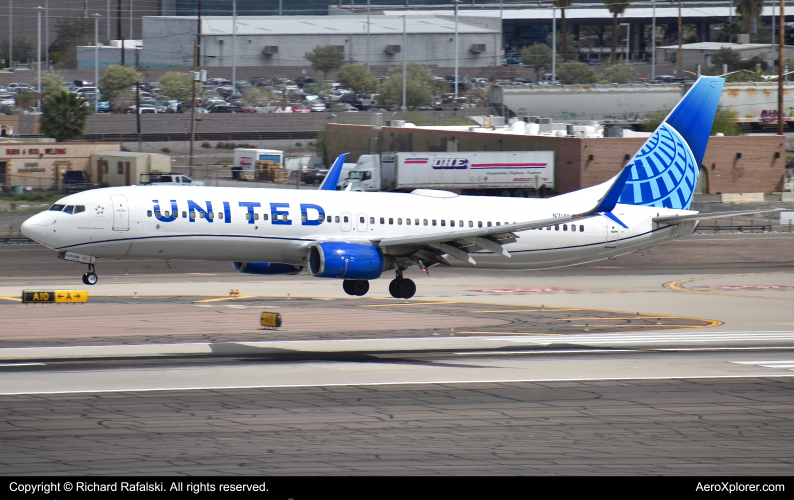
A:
[(677, 219)]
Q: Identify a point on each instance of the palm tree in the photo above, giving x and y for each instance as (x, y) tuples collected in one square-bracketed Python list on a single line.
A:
[(750, 10), (562, 5), (64, 116), (616, 7)]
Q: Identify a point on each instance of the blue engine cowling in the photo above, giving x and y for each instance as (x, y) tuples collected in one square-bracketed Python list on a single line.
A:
[(265, 268), (351, 261)]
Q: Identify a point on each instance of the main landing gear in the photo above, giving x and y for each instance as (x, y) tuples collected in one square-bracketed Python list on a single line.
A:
[(355, 287), (402, 288), (90, 278)]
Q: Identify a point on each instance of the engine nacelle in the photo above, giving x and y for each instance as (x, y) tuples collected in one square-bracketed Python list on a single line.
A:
[(351, 261), (265, 268)]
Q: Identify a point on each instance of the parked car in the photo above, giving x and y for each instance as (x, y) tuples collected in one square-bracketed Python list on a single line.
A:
[(317, 106), (314, 176), (300, 108), (76, 180), (7, 100)]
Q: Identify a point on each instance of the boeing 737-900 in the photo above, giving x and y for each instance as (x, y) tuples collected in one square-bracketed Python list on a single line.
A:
[(357, 236)]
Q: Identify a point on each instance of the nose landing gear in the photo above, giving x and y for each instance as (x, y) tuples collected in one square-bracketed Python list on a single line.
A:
[(402, 288), (355, 287), (90, 278)]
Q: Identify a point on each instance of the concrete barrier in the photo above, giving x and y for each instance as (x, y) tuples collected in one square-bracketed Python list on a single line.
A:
[(743, 198)]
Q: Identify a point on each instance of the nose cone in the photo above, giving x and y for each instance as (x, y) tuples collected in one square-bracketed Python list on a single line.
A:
[(35, 227)]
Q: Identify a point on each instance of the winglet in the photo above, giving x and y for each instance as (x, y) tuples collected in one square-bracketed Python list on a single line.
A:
[(332, 179)]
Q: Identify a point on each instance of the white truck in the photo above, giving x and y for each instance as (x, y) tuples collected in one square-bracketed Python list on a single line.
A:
[(157, 179), (502, 173)]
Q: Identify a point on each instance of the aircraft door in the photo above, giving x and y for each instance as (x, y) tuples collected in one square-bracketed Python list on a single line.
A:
[(361, 222), (346, 222), (613, 231), (121, 213)]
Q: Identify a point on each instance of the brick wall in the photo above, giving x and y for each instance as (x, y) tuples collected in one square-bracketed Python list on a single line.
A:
[(581, 163)]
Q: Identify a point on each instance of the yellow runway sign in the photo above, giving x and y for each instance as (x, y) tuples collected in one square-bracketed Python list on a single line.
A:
[(56, 296)]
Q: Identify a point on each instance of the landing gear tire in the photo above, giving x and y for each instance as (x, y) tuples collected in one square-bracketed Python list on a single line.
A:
[(402, 288), (355, 287), (90, 278)]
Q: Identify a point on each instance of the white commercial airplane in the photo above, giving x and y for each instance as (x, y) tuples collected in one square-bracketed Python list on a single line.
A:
[(356, 236)]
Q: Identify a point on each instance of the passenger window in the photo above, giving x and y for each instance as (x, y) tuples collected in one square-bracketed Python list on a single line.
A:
[(320, 218), (79, 208), (416, 222), (408, 221), (211, 215), (201, 215), (167, 214), (565, 227), (256, 216), (460, 223), (434, 222), (220, 215), (192, 214), (573, 228), (184, 214), (451, 223), (372, 220), (156, 213), (346, 219), (399, 222), (284, 217), (148, 213), (382, 220), (69, 209), (443, 222), (498, 223), (337, 218), (265, 216), (581, 228), (479, 223), (489, 224), (361, 220), (548, 228), (556, 227), (391, 221), (425, 222), (247, 216), (471, 223)]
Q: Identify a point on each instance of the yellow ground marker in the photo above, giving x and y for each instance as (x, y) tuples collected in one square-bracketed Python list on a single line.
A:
[(15, 299), (228, 298)]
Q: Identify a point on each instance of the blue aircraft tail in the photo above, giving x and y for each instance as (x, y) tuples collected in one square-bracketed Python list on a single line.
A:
[(332, 179), (665, 171)]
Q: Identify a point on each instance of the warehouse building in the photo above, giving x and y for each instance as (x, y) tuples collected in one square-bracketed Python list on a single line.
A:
[(283, 41)]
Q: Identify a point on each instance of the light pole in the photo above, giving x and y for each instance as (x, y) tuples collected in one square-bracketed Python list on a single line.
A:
[(234, 46), (456, 2), (367, 36), (553, 45), (38, 59), (96, 62), (653, 44), (11, 35), (47, 34), (404, 51)]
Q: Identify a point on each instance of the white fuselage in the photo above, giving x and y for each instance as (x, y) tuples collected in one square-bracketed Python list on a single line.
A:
[(123, 222)]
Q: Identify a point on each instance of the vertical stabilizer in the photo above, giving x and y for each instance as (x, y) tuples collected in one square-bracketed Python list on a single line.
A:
[(665, 171), (332, 179)]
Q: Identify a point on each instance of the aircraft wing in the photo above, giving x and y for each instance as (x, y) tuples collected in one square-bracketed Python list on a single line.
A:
[(460, 243), (677, 219)]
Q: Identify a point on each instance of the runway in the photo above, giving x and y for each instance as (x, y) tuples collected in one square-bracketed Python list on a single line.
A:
[(608, 368)]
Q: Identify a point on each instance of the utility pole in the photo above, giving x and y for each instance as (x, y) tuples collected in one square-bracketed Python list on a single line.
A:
[(404, 51), (38, 93), (196, 55), (47, 33), (680, 38), (138, 107), (780, 67), (121, 35), (96, 62), (11, 35)]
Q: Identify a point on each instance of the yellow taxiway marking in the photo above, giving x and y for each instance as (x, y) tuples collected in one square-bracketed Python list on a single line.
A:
[(15, 299), (400, 304), (517, 333), (639, 325), (678, 286), (227, 298), (545, 309)]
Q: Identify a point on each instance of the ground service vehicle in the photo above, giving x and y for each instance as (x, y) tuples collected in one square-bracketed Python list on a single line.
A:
[(502, 173)]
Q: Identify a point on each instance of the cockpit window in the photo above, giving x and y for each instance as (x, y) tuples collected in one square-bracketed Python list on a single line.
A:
[(57, 208), (69, 209), (79, 208)]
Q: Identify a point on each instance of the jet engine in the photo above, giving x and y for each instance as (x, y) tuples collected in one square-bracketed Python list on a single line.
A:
[(265, 268), (350, 261)]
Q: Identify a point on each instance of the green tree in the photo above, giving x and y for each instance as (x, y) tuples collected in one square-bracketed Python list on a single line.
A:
[(619, 73), (727, 56), (258, 96), (725, 121), (750, 10), (326, 58), (357, 78), (728, 31), (562, 5), (117, 84), (538, 56), (22, 48), (51, 84), (64, 116), (569, 41), (616, 8), (71, 32), (176, 85), (418, 86), (575, 72)]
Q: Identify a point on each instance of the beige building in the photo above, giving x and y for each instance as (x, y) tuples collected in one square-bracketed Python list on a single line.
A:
[(124, 168), (41, 165)]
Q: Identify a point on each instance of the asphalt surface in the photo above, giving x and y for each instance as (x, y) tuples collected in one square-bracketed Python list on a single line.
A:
[(680, 362)]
